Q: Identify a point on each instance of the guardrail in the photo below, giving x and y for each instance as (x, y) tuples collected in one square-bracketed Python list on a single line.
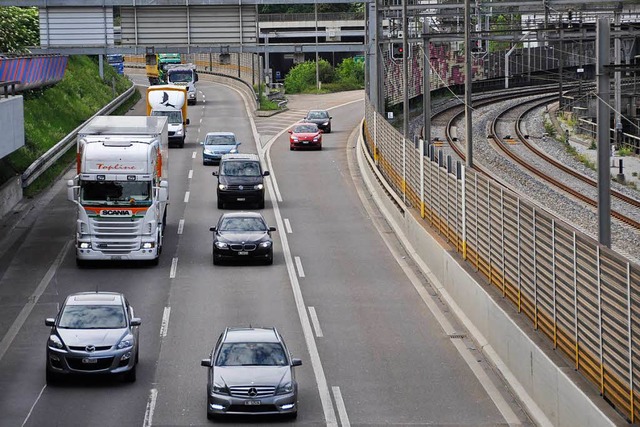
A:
[(583, 297), (45, 161), (589, 128)]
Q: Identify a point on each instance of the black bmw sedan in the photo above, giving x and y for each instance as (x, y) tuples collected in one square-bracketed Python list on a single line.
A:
[(242, 236)]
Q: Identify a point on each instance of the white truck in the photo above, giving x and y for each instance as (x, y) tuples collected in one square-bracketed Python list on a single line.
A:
[(121, 189), (170, 101), (184, 75)]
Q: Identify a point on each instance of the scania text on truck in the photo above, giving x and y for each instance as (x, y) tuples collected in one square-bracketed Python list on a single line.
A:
[(170, 101), (184, 75), (121, 189)]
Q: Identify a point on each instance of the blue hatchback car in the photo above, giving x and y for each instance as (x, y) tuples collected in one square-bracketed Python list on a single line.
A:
[(217, 144)]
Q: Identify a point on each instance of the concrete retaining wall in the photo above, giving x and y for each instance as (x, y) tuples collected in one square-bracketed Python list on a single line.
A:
[(550, 389), (10, 195)]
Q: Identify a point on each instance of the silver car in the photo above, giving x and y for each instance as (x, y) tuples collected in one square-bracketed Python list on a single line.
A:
[(251, 373), (217, 144), (94, 333)]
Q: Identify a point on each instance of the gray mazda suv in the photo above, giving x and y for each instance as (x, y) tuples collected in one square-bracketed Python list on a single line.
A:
[(94, 333), (251, 373)]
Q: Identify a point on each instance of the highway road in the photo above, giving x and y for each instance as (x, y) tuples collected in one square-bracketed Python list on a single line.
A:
[(374, 340)]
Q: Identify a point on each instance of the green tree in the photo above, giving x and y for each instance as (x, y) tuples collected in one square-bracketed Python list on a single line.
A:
[(302, 77), (351, 72), (19, 29)]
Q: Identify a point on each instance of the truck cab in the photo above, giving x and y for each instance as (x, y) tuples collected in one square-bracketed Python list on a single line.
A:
[(184, 75)]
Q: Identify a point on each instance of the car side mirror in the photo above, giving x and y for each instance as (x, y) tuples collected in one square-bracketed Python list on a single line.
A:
[(296, 362), (272, 229), (238, 143), (265, 173), (50, 321), (201, 142), (290, 131), (212, 229), (214, 173), (135, 321), (206, 362)]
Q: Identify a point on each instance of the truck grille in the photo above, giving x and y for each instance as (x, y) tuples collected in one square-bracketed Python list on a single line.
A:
[(116, 235)]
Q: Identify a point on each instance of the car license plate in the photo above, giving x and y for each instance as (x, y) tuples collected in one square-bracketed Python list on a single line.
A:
[(241, 199), (253, 402), (243, 253), (305, 142), (116, 257), (89, 360)]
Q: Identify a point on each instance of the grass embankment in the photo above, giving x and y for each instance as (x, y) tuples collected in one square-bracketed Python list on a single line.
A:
[(52, 113)]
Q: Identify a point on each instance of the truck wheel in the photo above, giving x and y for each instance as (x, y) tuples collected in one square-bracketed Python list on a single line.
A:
[(80, 263)]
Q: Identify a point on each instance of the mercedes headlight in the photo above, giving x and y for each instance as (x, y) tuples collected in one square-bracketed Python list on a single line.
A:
[(55, 342), (220, 388), (285, 388)]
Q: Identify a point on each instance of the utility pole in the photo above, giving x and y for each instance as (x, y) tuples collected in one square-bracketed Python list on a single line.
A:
[(315, 9), (617, 50), (467, 84), (405, 71), (426, 91), (603, 41)]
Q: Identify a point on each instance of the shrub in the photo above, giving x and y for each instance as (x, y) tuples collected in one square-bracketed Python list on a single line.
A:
[(351, 73), (302, 77)]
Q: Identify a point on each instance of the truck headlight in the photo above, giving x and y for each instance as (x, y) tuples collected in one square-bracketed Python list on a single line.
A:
[(178, 131), (148, 245), (84, 245)]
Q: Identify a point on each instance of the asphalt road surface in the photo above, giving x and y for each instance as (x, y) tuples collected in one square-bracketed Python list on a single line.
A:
[(340, 291)]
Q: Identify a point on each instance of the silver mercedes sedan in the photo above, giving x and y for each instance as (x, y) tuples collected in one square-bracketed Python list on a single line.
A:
[(94, 333), (251, 373)]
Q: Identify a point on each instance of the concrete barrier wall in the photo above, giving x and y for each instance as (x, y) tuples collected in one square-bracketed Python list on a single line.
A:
[(10, 195), (551, 390)]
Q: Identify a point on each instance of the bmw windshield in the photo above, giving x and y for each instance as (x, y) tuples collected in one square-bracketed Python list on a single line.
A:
[(115, 193)]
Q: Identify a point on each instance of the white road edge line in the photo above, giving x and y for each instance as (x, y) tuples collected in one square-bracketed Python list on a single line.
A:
[(501, 404), (287, 226), (34, 405), (151, 406), (190, 174), (314, 355), (164, 326), (186, 197), (315, 322), (342, 410), (181, 226), (13, 330), (299, 266), (174, 267)]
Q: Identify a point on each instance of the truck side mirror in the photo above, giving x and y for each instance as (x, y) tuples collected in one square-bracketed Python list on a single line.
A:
[(72, 191), (163, 191), (196, 79)]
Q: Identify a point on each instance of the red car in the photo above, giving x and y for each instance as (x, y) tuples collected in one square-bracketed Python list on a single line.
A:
[(305, 135)]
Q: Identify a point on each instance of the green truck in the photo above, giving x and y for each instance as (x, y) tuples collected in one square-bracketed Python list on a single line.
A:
[(156, 66)]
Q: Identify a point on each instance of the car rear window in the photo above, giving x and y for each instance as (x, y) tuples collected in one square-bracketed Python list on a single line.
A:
[(92, 317), (252, 354)]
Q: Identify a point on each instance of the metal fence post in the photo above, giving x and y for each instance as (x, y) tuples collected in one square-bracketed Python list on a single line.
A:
[(421, 147), (600, 320), (477, 215), (518, 269), (553, 279), (630, 334), (404, 169), (463, 171), (504, 273), (489, 230), (535, 275), (375, 139), (575, 298)]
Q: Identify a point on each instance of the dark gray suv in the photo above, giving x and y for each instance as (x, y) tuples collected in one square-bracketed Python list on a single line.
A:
[(93, 333), (251, 373)]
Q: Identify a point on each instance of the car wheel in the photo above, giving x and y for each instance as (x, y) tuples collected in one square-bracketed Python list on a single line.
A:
[(320, 147), (329, 129), (292, 415), (291, 148), (216, 261), (269, 259), (130, 376), (154, 262), (220, 204)]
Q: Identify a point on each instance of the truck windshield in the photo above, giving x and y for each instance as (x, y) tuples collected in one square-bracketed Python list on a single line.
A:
[(174, 116), (123, 193), (180, 76), (115, 59)]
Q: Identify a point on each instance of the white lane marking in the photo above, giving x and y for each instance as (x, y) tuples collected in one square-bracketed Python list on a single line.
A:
[(342, 410), (299, 266), (486, 382), (151, 406), (287, 225), (193, 156), (180, 226), (314, 355), (13, 330), (34, 405), (164, 327), (186, 197), (174, 266), (191, 174), (315, 322)]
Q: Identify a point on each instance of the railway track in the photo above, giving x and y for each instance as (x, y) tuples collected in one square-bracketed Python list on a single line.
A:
[(563, 186)]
